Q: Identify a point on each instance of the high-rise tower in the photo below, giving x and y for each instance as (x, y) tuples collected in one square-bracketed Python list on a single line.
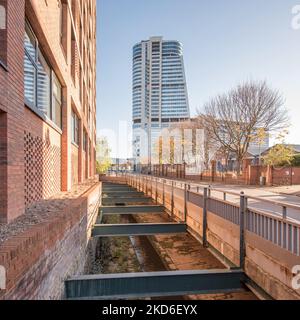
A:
[(159, 92)]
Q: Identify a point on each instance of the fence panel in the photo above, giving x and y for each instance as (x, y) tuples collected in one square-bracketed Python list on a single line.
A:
[(281, 232)]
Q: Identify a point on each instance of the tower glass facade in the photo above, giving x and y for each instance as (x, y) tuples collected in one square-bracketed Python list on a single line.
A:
[(160, 96)]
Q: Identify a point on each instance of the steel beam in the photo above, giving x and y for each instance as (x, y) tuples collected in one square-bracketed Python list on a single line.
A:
[(113, 189), (122, 194), (125, 200), (132, 209), (154, 284), (138, 229), (126, 192)]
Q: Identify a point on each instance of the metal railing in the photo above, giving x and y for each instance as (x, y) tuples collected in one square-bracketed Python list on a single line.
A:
[(278, 229)]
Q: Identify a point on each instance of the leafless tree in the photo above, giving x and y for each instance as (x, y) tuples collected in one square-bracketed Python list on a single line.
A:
[(232, 119)]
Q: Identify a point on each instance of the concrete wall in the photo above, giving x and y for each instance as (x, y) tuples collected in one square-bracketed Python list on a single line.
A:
[(267, 264)]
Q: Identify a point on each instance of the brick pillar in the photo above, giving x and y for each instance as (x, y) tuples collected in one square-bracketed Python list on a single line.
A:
[(66, 169), (213, 170), (80, 153), (12, 202)]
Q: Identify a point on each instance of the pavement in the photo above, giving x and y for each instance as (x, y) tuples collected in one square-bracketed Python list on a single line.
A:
[(284, 195)]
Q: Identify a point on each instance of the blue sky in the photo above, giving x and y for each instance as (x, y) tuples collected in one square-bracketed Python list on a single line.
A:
[(225, 42)]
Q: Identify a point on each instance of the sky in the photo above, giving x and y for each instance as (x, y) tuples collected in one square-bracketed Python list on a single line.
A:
[(225, 42)]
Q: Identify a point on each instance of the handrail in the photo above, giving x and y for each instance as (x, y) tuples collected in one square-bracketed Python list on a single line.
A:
[(282, 218), (273, 226), (277, 203)]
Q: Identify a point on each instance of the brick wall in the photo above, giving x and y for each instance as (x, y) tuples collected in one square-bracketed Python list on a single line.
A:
[(42, 159), (74, 165), (274, 176), (285, 176), (12, 104), (3, 165), (36, 159), (41, 258)]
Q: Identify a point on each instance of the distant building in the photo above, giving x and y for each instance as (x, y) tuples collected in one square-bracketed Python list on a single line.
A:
[(192, 146), (160, 95)]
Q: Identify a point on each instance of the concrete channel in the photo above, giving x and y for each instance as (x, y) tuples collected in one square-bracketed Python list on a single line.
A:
[(152, 252)]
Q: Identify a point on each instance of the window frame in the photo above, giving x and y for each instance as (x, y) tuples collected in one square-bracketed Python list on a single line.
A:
[(85, 141), (52, 76), (75, 121)]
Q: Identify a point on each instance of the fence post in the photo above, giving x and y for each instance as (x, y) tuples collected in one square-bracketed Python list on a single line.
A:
[(156, 190), (164, 192), (185, 202), (284, 212), (143, 184), (204, 222), (172, 199), (242, 230)]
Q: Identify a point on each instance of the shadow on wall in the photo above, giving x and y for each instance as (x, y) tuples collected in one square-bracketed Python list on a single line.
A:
[(63, 226), (42, 165), (3, 166)]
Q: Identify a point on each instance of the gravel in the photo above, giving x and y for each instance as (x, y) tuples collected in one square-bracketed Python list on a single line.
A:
[(42, 211)]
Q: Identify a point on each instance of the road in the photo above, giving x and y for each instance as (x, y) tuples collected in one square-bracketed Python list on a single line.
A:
[(258, 204)]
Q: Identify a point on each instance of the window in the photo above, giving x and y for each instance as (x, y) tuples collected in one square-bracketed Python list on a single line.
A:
[(64, 25), (41, 86), (56, 101), (84, 141), (3, 33), (73, 55), (75, 128)]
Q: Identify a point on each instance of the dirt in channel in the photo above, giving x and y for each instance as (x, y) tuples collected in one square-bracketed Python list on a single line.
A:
[(157, 253)]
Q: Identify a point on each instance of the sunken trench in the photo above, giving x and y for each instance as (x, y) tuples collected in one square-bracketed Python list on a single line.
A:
[(163, 252)]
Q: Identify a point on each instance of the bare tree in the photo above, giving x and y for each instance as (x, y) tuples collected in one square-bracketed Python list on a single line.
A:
[(232, 119)]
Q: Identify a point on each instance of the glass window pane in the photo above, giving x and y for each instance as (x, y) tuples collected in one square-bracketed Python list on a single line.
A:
[(56, 101), (29, 80), (56, 88), (57, 113), (43, 86), (30, 43), (73, 126)]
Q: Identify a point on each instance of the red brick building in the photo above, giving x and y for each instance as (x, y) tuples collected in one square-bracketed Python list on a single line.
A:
[(47, 100)]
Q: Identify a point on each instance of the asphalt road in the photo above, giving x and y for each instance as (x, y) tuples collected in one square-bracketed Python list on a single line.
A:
[(259, 204)]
